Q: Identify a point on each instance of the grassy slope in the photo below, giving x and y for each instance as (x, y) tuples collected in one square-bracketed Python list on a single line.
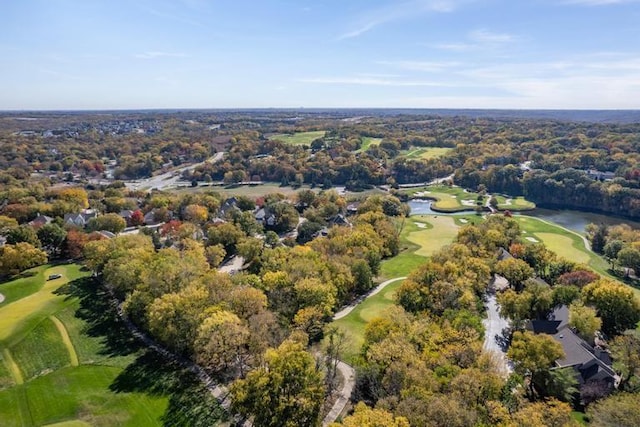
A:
[(41, 351), (53, 391), (299, 138)]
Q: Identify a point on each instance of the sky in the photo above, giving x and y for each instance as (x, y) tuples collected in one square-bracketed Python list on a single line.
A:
[(507, 54)]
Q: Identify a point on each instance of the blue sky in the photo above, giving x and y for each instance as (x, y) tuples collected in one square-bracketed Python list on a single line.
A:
[(99, 54)]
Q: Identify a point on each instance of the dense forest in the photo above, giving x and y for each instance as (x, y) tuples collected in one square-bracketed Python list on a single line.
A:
[(589, 166)]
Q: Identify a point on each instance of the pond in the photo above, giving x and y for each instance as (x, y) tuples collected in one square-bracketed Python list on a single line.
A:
[(573, 220), (577, 220)]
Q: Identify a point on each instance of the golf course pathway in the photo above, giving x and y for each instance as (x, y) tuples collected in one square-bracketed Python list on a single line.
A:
[(349, 375), (349, 308), (347, 371), (73, 356)]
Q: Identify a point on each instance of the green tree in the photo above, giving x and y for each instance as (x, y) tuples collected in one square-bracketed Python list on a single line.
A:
[(515, 271), (19, 257), (619, 410), (625, 350), (288, 391), (52, 237), (611, 250), (585, 320), (108, 222), (23, 233), (616, 304), (562, 384), (629, 257), (533, 355)]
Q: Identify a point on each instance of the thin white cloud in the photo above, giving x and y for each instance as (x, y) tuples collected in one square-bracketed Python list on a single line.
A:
[(427, 66), (397, 11), (599, 2), (486, 36), (370, 81), (159, 54)]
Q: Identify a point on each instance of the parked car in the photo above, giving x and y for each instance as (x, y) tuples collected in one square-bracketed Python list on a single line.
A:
[(54, 276)]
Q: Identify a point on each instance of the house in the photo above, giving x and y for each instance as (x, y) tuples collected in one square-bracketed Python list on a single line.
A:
[(230, 204), (599, 175), (590, 363), (264, 217), (126, 215), (40, 220), (352, 208), (79, 219), (339, 220), (151, 217)]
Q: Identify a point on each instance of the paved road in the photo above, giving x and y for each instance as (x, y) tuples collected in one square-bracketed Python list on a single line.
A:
[(168, 179), (349, 375), (347, 371), (494, 326), (233, 265)]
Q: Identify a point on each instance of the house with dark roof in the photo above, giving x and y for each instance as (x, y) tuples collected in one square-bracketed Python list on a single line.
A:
[(40, 220), (590, 363)]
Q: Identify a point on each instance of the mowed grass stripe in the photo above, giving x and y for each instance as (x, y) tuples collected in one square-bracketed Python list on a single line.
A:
[(41, 351), (11, 365), (65, 340)]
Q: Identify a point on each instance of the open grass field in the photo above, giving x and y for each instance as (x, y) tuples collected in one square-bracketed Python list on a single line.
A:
[(425, 153), (367, 142), (67, 360), (254, 191), (299, 138)]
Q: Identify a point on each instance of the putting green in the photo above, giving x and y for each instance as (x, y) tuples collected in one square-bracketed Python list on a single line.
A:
[(431, 240), (563, 246)]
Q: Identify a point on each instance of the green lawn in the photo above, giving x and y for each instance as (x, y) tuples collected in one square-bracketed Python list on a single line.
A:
[(353, 325), (563, 246), (516, 204), (41, 351), (299, 138), (24, 314), (367, 142), (78, 393), (437, 231), (30, 282), (60, 324), (425, 153)]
